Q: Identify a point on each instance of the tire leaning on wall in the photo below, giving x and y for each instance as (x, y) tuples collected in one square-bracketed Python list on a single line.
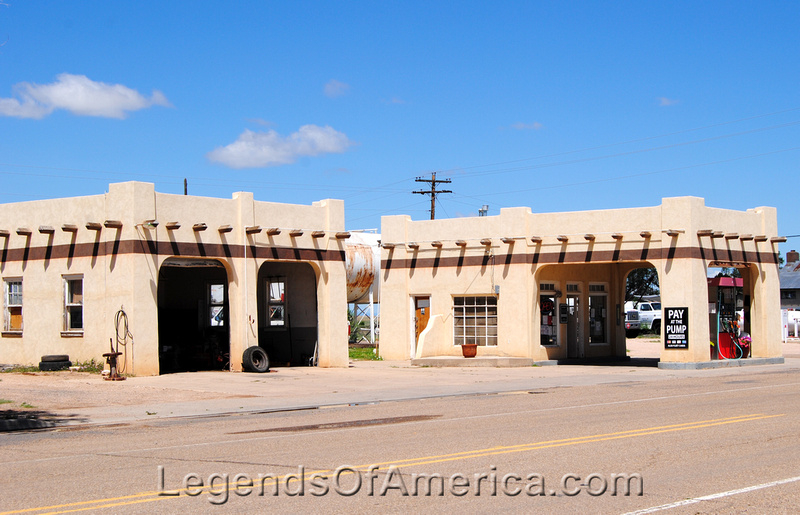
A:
[(255, 359)]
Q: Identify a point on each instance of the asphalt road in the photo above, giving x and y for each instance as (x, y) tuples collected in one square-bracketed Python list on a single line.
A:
[(716, 444)]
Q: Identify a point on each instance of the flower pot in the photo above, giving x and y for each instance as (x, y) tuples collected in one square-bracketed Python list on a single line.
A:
[(469, 350)]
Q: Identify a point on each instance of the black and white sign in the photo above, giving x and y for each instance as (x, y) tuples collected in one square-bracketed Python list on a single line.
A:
[(676, 328)]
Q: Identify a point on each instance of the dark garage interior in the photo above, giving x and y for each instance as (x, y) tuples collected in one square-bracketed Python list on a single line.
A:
[(193, 330)]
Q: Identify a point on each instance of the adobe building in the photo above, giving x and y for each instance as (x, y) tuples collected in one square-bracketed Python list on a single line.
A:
[(184, 282), (537, 287)]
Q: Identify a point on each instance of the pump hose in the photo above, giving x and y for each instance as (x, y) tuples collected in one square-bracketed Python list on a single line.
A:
[(734, 339), (122, 333)]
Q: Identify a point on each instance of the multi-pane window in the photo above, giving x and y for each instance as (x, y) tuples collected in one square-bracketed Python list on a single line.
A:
[(13, 305), (276, 301), (216, 304), (475, 320), (73, 303)]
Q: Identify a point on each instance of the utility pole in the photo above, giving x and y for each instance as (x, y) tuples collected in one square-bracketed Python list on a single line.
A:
[(433, 191)]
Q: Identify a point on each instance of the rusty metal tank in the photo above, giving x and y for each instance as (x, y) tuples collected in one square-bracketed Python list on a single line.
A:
[(363, 266)]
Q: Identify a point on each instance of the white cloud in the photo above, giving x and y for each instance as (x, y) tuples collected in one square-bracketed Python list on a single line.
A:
[(526, 126), (335, 88), (664, 101), (262, 149), (79, 95)]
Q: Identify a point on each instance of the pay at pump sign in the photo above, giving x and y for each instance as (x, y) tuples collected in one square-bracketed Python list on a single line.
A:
[(676, 329)]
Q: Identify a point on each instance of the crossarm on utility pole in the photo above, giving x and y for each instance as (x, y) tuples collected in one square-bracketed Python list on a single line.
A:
[(433, 191)]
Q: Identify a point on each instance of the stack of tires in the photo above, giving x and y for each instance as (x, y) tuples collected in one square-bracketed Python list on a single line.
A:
[(255, 359), (52, 362)]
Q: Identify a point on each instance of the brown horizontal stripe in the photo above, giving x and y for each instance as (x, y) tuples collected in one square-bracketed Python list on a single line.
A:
[(600, 256), (164, 248)]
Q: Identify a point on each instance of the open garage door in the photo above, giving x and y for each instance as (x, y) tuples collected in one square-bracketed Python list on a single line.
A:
[(287, 312), (193, 326)]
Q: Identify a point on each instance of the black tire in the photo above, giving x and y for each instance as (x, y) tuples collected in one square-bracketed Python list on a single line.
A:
[(255, 359), (631, 333), (55, 357), (51, 366), (656, 326)]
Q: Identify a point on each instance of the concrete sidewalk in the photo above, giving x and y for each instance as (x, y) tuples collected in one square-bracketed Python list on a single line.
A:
[(73, 398)]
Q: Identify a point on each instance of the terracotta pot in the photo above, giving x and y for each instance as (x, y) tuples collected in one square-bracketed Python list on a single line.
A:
[(469, 350)]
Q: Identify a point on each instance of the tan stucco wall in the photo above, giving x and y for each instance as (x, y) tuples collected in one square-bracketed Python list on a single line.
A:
[(128, 275), (582, 248)]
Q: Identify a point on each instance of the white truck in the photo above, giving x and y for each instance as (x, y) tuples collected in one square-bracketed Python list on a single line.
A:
[(650, 315)]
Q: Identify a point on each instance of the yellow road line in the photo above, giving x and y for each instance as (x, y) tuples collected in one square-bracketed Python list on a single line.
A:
[(423, 460)]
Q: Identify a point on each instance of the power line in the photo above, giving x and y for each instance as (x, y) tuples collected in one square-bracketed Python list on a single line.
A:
[(433, 191)]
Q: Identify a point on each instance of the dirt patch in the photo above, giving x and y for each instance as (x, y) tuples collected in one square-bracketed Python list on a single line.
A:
[(71, 390)]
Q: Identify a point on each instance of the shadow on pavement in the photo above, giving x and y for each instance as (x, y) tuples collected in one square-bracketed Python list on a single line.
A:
[(612, 362), (23, 420)]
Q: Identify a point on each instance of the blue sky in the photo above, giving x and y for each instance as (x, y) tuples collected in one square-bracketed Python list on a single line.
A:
[(560, 106)]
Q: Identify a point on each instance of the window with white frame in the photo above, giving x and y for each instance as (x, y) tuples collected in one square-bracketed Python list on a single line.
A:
[(216, 304), (73, 304), (12, 294), (276, 301), (475, 320)]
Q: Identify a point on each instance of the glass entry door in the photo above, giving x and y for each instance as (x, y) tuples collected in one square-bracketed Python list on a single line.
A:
[(574, 344)]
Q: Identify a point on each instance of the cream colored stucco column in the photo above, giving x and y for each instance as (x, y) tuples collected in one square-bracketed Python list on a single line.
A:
[(397, 331), (765, 309), (684, 285), (332, 293), (131, 278), (242, 283)]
